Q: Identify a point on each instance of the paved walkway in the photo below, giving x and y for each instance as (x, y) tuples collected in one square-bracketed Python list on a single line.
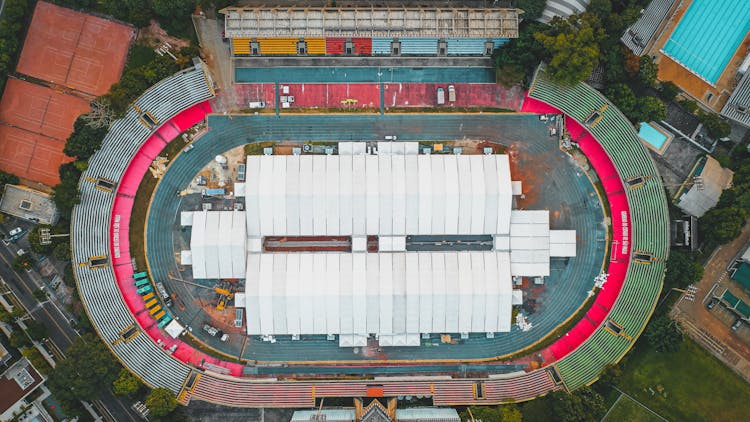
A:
[(710, 328)]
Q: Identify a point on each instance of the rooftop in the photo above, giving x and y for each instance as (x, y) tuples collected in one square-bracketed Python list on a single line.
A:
[(28, 204), (370, 22)]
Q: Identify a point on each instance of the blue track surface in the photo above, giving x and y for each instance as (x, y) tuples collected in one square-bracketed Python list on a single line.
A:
[(364, 74), (708, 34), (550, 182)]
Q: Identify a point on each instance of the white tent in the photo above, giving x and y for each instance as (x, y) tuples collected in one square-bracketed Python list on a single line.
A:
[(318, 195), (217, 244), (396, 294)]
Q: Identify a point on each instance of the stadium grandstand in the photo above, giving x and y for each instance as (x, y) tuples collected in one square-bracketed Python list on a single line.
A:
[(105, 276), (368, 31)]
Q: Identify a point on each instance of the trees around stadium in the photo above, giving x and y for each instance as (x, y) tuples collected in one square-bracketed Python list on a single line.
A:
[(663, 334), (574, 47), (721, 225), (532, 9), (88, 369), (13, 21), (66, 195), (682, 270), (7, 178), (161, 402), (583, 405), (85, 140), (127, 384), (502, 413)]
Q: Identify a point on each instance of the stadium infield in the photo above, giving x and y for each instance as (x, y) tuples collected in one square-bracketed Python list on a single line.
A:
[(567, 193), (79, 51)]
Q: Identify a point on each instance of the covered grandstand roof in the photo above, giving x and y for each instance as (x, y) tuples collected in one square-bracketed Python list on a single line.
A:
[(639, 35), (562, 9), (241, 22), (317, 195), (217, 244), (385, 293), (737, 107)]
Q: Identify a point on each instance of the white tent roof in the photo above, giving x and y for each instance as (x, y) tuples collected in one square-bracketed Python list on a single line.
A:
[(385, 293), (529, 243), (562, 243), (186, 218), (318, 195), (186, 258), (217, 244), (174, 329)]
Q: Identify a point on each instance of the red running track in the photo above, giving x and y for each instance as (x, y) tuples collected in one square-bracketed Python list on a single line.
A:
[(138, 167), (620, 214)]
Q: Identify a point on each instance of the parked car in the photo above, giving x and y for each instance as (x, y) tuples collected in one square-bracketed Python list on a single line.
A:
[(14, 235), (736, 325)]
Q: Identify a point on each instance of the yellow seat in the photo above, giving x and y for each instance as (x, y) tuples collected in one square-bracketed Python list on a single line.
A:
[(154, 310), (241, 46), (316, 46)]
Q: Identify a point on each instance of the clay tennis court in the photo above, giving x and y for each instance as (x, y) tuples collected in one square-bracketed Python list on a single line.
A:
[(30, 155), (39, 109), (73, 49), (36, 122)]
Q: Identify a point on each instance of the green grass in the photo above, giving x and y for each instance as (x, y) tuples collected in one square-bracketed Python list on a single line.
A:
[(628, 410), (688, 385)]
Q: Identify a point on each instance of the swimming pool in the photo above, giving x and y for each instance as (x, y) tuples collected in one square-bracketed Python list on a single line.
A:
[(707, 36), (653, 137), (364, 74)]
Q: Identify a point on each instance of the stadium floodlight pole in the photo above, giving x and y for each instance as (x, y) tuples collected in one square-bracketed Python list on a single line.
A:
[(45, 238)]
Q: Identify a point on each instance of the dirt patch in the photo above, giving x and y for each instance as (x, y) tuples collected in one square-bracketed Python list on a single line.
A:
[(153, 35)]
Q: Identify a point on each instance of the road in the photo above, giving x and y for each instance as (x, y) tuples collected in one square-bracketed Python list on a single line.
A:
[(60, 332)]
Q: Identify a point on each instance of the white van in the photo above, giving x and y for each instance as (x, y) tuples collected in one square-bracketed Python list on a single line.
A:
[(451, 93), (257, 104)]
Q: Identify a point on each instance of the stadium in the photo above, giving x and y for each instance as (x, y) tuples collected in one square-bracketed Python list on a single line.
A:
[(361, 265)]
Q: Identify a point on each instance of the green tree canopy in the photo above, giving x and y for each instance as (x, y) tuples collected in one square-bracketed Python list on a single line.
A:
[(84, 141), (161, 401), (649, 108), (88, 369), (66, 194), (715, 126), (584, 405), (647, 70), (126, 383), (573, 44), (663, 334), (720, 225), (7, 178), (520, 56), (668, 90), (61, 251), (532, 9), (623, 97), (502, 413), (682, 270)]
